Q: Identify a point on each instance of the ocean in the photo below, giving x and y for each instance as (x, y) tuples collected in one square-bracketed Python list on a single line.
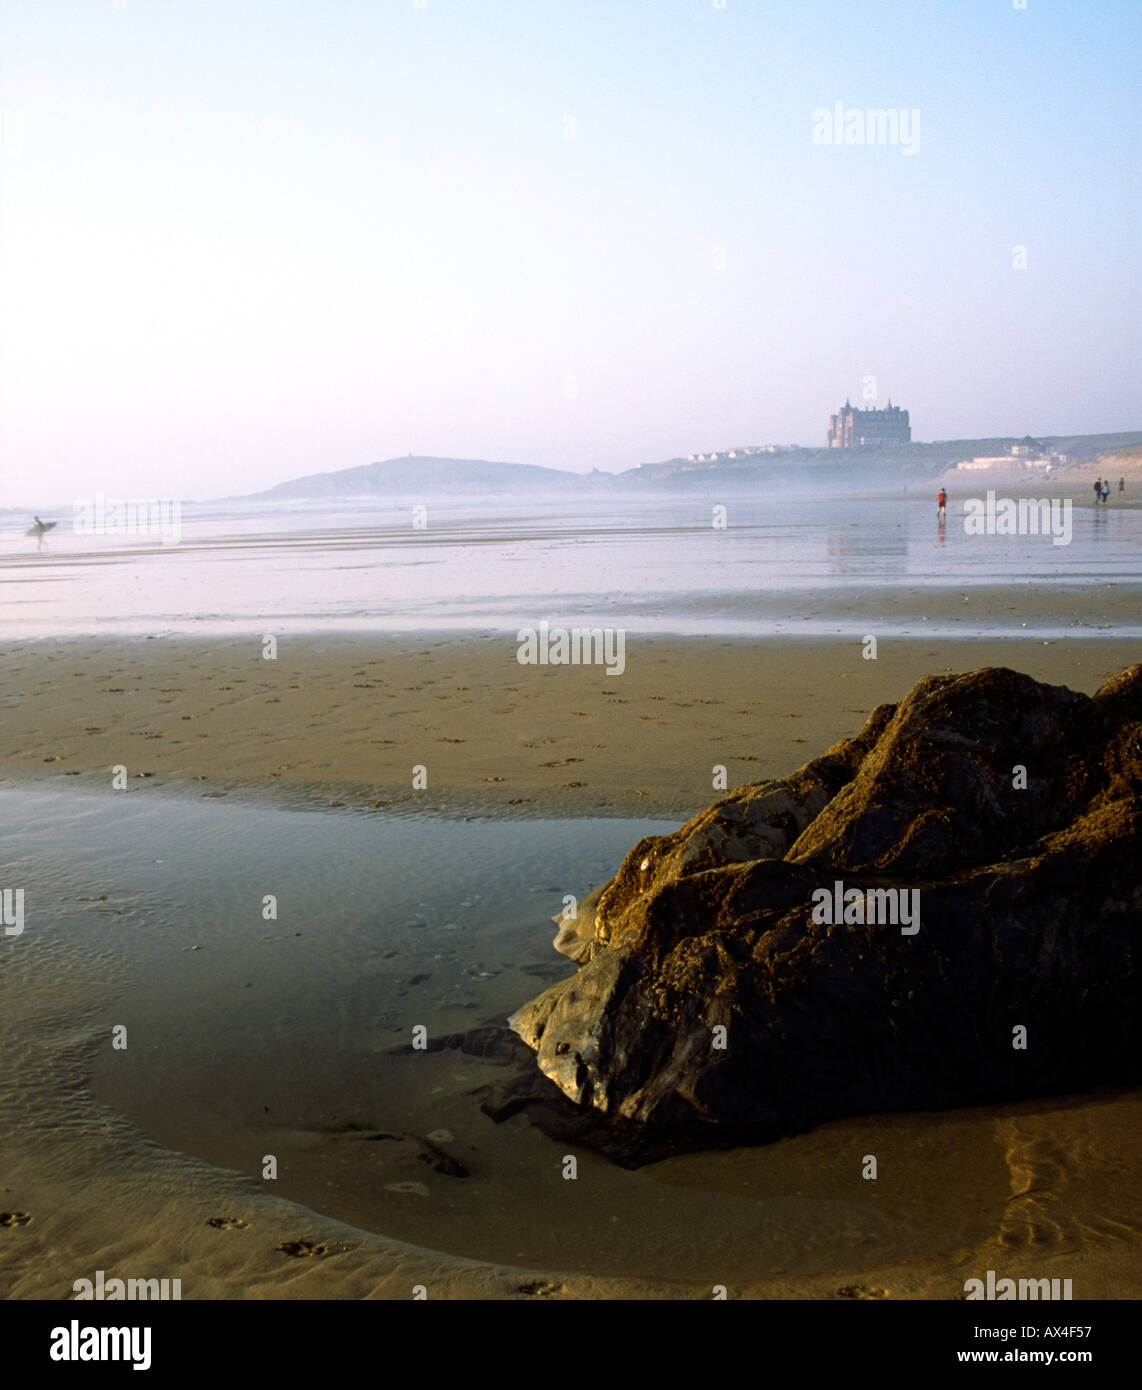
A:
[(783, 563)]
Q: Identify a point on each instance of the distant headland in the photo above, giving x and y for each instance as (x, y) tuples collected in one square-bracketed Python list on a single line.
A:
[(744, 467)]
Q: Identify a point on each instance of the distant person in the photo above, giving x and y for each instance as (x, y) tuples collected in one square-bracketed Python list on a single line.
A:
[(1105, 491), (1122, 487), (1097, 490), (39, 529), (942, 506)]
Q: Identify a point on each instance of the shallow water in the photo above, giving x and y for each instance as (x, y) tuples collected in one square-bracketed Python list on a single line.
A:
[(248, 1036), (326, 914), (245, 1033), (651, 564)]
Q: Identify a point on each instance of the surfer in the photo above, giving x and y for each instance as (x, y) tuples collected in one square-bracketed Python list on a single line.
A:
[(39, 529)]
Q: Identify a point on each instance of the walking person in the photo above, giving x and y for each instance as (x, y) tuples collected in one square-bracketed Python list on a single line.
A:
[(941, 506), (1105, 491), (1097, 490), (1122, 487)]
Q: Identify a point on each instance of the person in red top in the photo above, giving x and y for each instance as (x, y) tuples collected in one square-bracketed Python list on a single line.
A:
[(941, 505)]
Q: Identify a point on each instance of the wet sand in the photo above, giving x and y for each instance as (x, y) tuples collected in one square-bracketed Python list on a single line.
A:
[(1029, 1190), (344, 720)]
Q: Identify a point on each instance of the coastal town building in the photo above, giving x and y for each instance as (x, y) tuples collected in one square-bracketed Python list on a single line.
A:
[(851, 428), (742, 451), (1028, 453)]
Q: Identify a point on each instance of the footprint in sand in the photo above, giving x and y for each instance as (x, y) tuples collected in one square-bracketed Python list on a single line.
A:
[(859, 1291), (538, 1288), (1036, 1213), (15, 1218), (302, 1248), (228, 1223)]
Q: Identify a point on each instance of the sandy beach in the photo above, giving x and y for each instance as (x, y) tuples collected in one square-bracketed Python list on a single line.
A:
[(343, 721), (570, 693), (149, 1160)]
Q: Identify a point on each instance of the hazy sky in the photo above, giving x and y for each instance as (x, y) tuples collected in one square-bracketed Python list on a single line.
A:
[(246, 239)]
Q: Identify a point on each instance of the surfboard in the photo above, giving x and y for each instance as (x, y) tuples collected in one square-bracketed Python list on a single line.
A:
[(40, 529)]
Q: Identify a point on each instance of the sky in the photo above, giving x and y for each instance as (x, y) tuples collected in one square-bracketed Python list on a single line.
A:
[(242, 241)]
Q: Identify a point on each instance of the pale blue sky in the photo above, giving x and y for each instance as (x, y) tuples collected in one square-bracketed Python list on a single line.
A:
[(243, 240)]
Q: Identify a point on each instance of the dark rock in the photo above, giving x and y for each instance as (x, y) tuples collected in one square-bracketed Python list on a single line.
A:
[(1030, 914), (528, 1092)]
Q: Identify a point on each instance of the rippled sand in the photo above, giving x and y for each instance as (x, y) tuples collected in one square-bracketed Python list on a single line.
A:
[(260, 1042), (339, 719)]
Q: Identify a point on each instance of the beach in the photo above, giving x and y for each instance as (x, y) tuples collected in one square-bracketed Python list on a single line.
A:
[(342, 720), (570, 690), (288, 1036)]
